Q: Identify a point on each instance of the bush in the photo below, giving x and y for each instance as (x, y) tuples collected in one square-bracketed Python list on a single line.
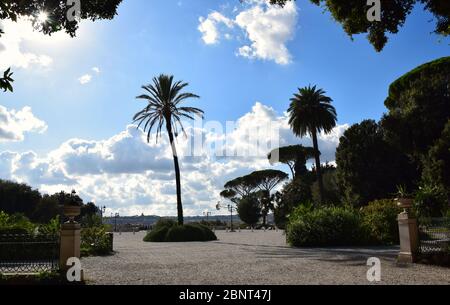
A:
[(95, 241), (157, 235), (430, 201), (164, 222), (380, 220), (15, 224), (326, 226), (172, 232)]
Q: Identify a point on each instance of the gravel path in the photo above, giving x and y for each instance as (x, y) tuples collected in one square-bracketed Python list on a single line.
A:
[(248, 258)]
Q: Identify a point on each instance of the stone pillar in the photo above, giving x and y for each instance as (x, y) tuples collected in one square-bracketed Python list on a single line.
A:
[(409, 238), (70, 243)]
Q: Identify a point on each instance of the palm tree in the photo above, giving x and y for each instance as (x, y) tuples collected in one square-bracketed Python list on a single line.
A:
[(310, 113), (164, 97)]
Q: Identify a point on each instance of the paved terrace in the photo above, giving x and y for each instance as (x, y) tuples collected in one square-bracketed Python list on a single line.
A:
[(248, 258)]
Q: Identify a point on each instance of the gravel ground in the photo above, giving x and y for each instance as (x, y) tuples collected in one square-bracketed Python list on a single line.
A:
[(247, 258)]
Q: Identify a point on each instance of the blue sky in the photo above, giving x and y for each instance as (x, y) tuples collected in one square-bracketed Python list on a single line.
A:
[(152, 37)]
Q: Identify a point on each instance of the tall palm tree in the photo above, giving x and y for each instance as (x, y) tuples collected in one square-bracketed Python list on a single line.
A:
[(310, 113), (164, 97)]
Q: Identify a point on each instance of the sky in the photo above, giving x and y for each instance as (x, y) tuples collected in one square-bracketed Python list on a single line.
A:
[(68, 124)]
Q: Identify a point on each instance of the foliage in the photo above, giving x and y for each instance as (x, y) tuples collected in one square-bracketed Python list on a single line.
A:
[(241, 186), (331, 190), (6, 81), (437, 162), (311, 112), (95, 241), (18, 198), (430, 201), (157, 234), (380, 219), (51, 228), (91, 220), (368, 167), (190, 232), (352, 14), (294, 156), (249, 209), (57, 11), (266, 180), (419, 109), (172, 232), (164, 97), (164, 222), (293, 194), (325, 226), (15, 224)]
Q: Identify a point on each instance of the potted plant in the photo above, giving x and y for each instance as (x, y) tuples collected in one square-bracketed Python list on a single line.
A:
[(71, 205), (404, 199)]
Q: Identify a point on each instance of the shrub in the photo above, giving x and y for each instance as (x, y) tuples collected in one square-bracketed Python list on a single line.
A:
[(15, 224), (164, 222), (380, 220), (430, 201), (326, 226), (95, 241), (172, 232), (157, 235)]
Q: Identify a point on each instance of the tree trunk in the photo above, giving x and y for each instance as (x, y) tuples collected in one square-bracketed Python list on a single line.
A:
[(318, 167), (177, 173)]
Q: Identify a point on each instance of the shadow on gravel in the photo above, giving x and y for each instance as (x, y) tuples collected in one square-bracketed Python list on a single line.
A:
[(337, 254)]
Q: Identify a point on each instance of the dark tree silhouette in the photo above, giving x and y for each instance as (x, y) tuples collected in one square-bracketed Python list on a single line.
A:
[(294, 156), (265, 181), (164, 97), (352, 14), (241, 186), (310, 113)]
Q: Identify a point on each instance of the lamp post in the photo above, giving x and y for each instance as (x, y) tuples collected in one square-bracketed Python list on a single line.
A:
[(231, 209), (102, 211), (207, 214), (115, 221)]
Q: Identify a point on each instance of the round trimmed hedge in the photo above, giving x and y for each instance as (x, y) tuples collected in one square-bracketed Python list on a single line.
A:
[(169, 231)]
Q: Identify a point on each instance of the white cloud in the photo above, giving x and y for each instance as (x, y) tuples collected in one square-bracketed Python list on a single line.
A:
[(14, 124), (131, 176), (85, 79), (268, 28), (209, 27), (15, 44)]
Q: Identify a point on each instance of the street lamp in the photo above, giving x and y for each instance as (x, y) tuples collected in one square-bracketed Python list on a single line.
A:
[(231, 209), (102, 211), (115, 221), (207, 214)]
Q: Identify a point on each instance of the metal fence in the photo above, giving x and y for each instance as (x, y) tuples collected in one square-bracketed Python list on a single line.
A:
[(28, 253), (434, 236)]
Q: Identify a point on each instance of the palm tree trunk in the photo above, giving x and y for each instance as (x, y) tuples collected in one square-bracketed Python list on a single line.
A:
[(177, 173), (318, 167)]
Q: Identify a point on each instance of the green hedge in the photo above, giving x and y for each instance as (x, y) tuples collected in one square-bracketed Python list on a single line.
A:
[(171, 232), (327, 226), (375, 224), (380, 221)]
